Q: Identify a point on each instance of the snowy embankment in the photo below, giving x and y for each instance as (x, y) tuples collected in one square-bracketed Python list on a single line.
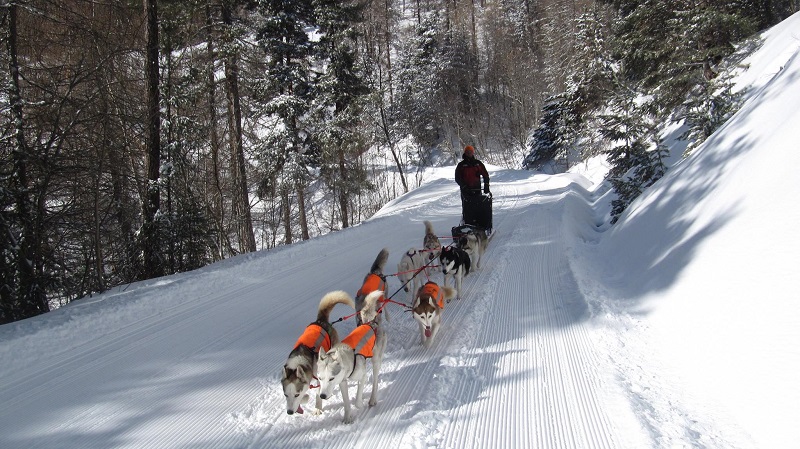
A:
[(700, 274), (677, 327)]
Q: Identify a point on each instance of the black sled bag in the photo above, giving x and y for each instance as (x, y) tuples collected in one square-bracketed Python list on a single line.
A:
[(477, 210)]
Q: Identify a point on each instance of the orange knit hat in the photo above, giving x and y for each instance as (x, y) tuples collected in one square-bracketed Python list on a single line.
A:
[(469, 150)]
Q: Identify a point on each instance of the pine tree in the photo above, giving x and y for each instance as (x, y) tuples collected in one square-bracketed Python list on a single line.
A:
[(419, 82), (710, 104), (339, 95), (286, 97), (550, 142), (636, 154)]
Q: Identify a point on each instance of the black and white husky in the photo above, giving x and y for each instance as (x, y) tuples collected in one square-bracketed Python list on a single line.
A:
[(411, 269), (474, 243), (455, 264), (301, 366), (347, 360)]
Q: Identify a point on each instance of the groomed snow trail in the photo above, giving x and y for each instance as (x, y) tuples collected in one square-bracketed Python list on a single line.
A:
[(514, 364)]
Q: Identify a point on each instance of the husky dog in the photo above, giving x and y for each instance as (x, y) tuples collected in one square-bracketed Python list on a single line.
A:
[(428, 308), (347, 360), (431, 242), (301, 366), (474, 243), (412, 265), (455, 264), (374, 280)]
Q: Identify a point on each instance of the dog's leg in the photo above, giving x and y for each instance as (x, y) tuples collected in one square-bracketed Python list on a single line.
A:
[(458, 285), (348, 416), (318, 403), (360, 391), (376, 368)]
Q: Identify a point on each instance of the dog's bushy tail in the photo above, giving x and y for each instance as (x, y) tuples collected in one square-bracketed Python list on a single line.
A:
[(449, 293), (428, 227), (380, 262), (329, 301), (370, 309)]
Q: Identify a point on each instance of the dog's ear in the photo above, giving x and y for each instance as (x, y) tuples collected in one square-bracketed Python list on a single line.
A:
[(303, 375), (287, 372), (322, 354), (416, 302)]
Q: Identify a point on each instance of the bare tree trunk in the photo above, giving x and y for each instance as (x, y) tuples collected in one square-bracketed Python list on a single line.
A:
[(98, 247), (385, 126), (30, 295), (241, 201), (343, 200), (287, 216), (388, 39), (152, 262), (217, 204), (301, 205)]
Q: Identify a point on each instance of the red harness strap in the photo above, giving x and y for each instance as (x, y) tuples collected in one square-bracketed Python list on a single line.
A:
[(432, 289), (315, 337), (362, 340)]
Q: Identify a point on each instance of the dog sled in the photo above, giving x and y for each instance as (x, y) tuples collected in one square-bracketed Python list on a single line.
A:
[(476, 213)]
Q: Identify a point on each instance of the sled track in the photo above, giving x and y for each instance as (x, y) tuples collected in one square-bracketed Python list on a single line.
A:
[(441, 393)]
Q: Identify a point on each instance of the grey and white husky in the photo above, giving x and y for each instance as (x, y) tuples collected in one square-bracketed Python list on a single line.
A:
[(410, 271), (431, 242), (374, 280), (347, 360), (428, 308), (474, 243), (301, 366)]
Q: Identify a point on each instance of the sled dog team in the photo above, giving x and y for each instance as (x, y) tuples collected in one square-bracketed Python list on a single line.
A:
[(319, 354)]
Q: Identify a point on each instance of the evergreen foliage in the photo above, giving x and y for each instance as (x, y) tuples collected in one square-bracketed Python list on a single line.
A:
[(636, 154), (709, 105), (550, 142), (262, 103)]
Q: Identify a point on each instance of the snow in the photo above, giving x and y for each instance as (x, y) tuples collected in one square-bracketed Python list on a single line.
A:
[(676, 327)]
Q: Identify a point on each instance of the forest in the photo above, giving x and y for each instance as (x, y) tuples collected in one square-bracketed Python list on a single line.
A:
[(142, 138)]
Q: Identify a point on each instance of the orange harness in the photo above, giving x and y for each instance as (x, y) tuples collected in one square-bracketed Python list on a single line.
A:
[(372, 283), (315, 337), (432, 289), (362, 340)]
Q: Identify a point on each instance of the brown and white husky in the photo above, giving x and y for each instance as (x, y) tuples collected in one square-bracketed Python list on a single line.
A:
[(428, 308)]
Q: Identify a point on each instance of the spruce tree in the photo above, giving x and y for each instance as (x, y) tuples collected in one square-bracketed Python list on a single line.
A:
[(340, 90), (636, 154)]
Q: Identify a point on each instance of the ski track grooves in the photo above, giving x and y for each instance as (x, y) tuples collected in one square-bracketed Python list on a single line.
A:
[(481, 336), (143, 339), (514, 364)]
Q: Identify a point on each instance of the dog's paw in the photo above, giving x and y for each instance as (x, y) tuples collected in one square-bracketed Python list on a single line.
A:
[(317, 411), (373, 402), (348, 420)]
